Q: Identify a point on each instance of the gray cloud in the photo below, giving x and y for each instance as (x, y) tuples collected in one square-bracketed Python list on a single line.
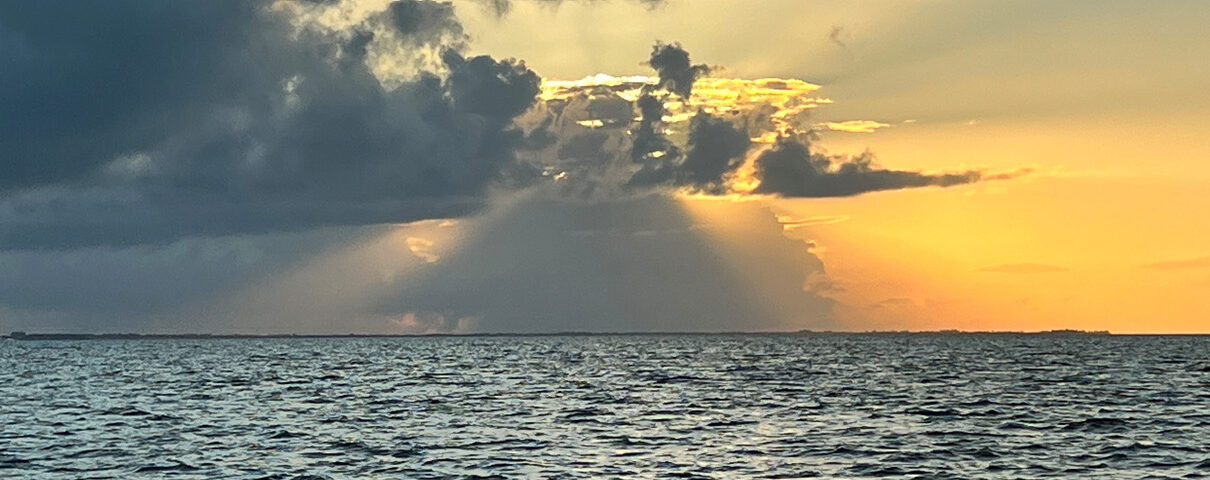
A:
[(789, 169), (648, 137), (836, 35), (650, 148), (676, 72), (588, 146), (498, 90), (663, 162), (141, 122), (716, 147), (138, 288), (426, 22)]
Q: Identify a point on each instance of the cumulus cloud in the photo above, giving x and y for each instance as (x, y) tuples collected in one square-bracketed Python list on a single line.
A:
[(716, 147), (428, 22), (789, 169), (234, 117), (722, 136), (677, 73), (650, 144)]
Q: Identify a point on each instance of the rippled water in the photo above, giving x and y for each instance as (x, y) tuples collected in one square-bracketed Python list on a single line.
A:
[(853, 406)]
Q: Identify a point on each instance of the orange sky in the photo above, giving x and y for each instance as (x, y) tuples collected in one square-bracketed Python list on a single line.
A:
[(1104, 100), (1108, 233)]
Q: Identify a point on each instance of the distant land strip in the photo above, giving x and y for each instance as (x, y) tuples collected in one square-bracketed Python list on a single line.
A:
[(224, 336)]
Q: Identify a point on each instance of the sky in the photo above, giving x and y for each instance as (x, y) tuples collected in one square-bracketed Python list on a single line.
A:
[(419, 166)]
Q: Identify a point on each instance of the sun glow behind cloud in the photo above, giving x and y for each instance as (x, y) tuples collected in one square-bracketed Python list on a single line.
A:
[(770, 257), (785, 102), (594, 123)]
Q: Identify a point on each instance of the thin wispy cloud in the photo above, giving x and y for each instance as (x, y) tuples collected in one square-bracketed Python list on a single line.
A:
[(837, 35), (854, 126), (1189, 263), (1024, 268)]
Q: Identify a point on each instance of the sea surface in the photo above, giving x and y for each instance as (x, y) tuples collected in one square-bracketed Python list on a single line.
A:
[(671, 406)]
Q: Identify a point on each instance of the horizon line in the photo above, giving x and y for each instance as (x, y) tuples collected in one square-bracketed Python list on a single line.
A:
[(28, 336)]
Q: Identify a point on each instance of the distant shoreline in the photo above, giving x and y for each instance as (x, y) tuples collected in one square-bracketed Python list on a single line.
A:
[(23, 336)]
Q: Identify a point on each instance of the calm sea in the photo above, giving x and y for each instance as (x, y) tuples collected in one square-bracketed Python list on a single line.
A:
[(692, 406)]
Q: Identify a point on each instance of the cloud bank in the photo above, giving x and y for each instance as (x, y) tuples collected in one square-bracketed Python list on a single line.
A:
[(242, 165), (142, 122)]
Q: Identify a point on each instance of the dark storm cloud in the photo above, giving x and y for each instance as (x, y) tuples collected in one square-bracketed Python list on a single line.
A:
[(69, 218), (650, 147), (498, 90), (120, 284), (716, 147), (676, 72), (423, 21), (137, 122), (789, 169), (649, 136)]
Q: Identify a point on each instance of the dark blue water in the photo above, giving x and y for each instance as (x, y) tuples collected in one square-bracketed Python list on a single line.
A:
[(851, 406)]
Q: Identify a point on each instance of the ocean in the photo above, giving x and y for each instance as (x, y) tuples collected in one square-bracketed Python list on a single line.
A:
[(608, 406)]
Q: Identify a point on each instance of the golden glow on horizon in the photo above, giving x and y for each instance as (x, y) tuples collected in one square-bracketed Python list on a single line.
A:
[(1037, 254), (1043, 253)]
